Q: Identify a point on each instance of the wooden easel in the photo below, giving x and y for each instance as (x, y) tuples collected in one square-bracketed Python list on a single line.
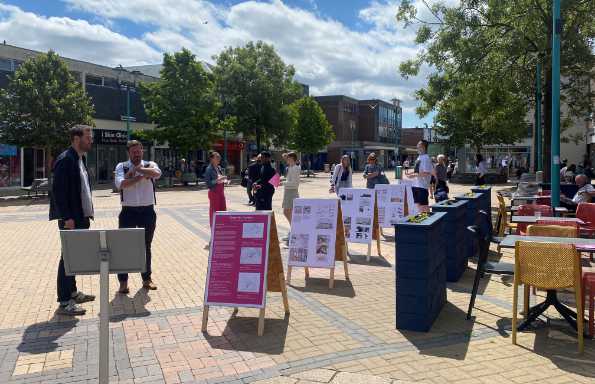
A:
[(340, 252), (275, 279)]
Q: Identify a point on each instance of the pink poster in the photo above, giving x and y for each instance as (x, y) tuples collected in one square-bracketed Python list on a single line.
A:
[(238, 260)]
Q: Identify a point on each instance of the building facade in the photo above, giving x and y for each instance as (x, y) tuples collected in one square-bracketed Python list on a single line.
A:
[(105, 87), (362, 127)]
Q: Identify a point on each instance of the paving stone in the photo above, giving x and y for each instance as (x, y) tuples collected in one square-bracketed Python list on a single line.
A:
[(317, 375)]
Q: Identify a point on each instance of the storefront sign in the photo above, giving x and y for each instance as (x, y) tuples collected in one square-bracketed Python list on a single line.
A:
[(358, 207), (109, 136), (313, 233), (238, 260), (8, 150)]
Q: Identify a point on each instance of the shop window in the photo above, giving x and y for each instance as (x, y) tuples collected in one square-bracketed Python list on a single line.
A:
[(5, 65)]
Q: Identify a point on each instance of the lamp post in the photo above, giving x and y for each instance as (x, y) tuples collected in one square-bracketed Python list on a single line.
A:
[(555, 165), (352, 126), (127, 88)]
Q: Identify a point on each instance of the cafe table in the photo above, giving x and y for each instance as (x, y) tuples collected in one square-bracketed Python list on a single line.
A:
[(515, 208), (535, 219), (581, 244)]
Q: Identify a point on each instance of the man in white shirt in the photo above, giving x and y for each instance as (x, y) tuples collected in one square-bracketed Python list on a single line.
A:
[(583, 195), (421, 177), (135, 179)]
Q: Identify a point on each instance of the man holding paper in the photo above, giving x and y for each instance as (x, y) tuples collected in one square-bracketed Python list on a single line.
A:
[(264, 188)]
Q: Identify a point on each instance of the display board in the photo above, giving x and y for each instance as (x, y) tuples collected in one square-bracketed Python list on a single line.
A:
[(358, 206), (393, 203), (412, 209), (244, 262), (317, 237)]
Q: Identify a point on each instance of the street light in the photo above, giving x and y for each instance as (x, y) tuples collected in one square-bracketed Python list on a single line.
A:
[(128, 88), (352, 126)]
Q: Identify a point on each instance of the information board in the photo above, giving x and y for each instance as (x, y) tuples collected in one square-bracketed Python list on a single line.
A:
[(358, 206), (412, 209), (392, 203), (313, 233), (238, 260)]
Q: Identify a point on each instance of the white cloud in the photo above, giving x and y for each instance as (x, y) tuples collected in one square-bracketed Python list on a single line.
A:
[(328, 55), (72, 38)]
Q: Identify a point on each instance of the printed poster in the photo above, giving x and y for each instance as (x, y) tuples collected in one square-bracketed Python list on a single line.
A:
[(313, 233), (409, 185), (357, 206), (238, 260), (391, 203)]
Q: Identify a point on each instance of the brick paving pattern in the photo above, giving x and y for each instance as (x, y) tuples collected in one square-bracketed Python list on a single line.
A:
[(342, 335)]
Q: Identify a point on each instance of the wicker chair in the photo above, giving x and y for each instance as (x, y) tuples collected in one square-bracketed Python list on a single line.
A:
[(547, 266), (502, 224), (552, 230)]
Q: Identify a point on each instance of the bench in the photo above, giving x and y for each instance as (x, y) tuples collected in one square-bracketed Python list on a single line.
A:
[(37, 186)]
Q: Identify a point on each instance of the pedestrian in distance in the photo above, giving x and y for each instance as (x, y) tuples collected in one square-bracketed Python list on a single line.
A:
[(263, 190), (216, 182), (481, 169), (291, 185), (373, 172), (421, 176), (72, 205), (342, 175), (135, 179), (253, 173)]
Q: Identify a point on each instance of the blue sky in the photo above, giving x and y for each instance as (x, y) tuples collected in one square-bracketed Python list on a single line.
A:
[(350, 47)]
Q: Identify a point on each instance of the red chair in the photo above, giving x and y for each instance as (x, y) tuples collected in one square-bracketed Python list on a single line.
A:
[(586, 212), (529, 210), (546, 200), (559, 222)]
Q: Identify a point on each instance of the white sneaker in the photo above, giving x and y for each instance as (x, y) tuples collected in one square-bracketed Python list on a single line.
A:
[(71, 309)]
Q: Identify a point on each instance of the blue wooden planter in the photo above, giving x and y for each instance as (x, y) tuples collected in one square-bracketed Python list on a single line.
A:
[(473, 208), (455, 233), (420, 272), (486, 203)]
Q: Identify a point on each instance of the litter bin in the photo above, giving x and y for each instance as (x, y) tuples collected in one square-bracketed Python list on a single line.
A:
[(398, 172)]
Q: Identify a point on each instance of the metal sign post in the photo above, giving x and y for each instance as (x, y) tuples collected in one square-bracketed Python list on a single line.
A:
[(104, 256)]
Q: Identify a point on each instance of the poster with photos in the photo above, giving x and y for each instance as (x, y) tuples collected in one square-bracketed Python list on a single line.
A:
[(313, 233), (408, 184), (357, 206), (391, 203)]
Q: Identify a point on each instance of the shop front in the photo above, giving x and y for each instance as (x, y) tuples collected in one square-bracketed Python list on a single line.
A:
[(234, 154), (10, 166), (109, 148)]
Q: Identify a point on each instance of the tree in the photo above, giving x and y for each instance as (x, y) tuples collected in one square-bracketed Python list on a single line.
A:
[(311, 131), (183, 104), (40, 104), (258, 87), (500, 43)]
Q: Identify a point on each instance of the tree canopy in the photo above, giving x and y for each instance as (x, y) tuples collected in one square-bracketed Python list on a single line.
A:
[(258, 89), (311, 131), (41, 103), (183, 103), (482, 56)]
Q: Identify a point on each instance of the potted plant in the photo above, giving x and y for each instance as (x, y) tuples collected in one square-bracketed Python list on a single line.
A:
[(455, 231), (420, 270)]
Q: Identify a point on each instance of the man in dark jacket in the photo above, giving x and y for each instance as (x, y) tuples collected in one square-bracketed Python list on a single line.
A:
[(253, 171), (264, 190), (72, 206)]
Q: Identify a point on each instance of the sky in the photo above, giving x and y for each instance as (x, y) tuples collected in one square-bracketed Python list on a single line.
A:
[(350, 47)]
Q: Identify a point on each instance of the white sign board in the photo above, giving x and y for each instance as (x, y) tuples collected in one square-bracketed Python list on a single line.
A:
[(358, 214), (391, 203), (411, 207), (313, 233)]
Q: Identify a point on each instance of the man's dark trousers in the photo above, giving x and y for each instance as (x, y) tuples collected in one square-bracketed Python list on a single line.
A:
[(264, 200), (67, 284), (139, 217)]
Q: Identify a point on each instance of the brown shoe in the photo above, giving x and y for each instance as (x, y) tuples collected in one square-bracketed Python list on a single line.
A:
[(148, 284), (124, 289)]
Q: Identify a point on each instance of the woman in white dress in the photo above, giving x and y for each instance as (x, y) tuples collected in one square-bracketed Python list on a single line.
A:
[(291, 184)]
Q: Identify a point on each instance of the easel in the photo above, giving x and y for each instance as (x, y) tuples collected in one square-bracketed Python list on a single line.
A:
[(274, 275), (340, 252)]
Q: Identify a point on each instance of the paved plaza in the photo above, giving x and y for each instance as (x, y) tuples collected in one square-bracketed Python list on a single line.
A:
[(342, 335)]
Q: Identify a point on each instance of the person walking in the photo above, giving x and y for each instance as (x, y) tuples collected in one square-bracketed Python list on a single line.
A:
[(481, 169), (372, 171), (422, 173), (135, 179), (216, 181), (253, 172), (263, 190), (441, 171), (342, 175), (291, 185), (72, 205)]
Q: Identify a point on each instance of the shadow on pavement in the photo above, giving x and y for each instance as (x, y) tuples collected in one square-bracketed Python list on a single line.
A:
[(124, 306), (42, 337), (240, 334), (375, 261), (342, 288)]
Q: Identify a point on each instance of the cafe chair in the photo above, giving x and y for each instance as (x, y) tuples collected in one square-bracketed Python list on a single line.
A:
[(552, 230), (530, 210), (547, 266), (483, 265), (502, 224), (562, 223), (586, 212)]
